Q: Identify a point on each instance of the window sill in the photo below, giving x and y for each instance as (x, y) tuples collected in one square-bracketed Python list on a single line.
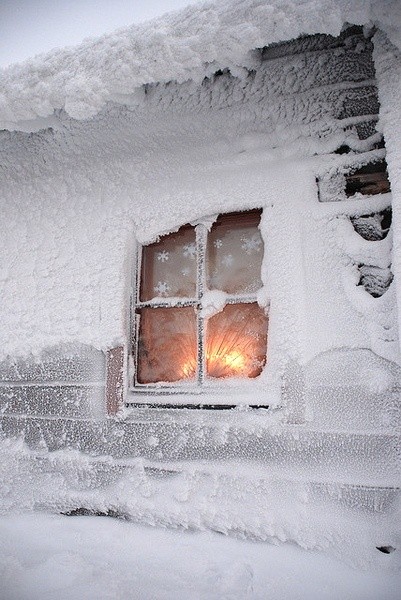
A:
[(240, 417), (207, 397)]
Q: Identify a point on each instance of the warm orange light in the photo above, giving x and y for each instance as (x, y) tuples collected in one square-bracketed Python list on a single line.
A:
[(235, 360), (235, 344), (219, 365), (189, 369), (226, 362), (233, 349), (236, 341)]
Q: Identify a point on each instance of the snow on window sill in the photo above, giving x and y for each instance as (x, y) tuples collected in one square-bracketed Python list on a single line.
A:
[(234, 395)]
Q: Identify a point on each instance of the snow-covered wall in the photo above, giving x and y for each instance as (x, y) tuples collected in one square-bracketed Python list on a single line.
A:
[(388, 68), (77, 197)]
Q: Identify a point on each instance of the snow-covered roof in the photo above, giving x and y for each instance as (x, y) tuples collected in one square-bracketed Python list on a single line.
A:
[(182, 45)]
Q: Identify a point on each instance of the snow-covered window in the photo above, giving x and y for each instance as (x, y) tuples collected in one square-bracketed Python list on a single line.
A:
[(197, 319)]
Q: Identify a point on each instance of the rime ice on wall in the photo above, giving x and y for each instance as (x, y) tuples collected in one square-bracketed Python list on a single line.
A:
[(74, 199), (65, 381), (388, 67), (247, 134), (251, 144)]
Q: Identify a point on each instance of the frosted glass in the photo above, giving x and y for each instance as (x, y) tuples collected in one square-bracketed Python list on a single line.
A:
[(234, 253), (169, 266), (167, 345), (236, 340)]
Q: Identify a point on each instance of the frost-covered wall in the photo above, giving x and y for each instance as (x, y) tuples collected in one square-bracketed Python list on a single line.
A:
[(388, 67), (77, 196), (281, 135)]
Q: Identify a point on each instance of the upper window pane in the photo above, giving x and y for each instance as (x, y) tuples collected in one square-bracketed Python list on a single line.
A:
[(234, 253), (169, 266)]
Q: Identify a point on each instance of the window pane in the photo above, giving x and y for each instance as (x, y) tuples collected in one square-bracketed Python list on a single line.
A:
[(167, 344), (234, 253), (236, 340), (169, 266)]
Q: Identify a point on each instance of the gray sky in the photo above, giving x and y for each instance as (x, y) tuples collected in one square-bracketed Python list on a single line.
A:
[(29, 27)]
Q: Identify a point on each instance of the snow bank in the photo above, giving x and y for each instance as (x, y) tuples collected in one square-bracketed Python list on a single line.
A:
[(183, 45), (239, 499), (94, 558)]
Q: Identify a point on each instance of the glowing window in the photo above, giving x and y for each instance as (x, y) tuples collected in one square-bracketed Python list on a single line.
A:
[(197, 319)]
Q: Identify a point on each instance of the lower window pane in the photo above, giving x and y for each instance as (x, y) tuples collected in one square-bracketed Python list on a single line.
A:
[(167, 345), (236, 340)]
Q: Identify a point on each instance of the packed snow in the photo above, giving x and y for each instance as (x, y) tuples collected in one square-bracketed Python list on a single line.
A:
[(259, 494), (43, 557)]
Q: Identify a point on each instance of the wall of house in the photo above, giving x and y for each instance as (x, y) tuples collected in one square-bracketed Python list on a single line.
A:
[(77, 198)]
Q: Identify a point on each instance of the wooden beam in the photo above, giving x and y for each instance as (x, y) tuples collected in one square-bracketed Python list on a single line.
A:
[(369, 180), (115, 380)]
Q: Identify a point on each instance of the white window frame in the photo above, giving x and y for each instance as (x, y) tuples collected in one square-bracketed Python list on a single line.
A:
[(184, 393)]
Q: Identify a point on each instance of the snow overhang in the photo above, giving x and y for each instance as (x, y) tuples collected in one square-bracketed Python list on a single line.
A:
[(183, 45)]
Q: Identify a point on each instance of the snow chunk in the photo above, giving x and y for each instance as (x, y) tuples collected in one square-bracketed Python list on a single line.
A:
[(363, 251), (376, 380), (213, 302)]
